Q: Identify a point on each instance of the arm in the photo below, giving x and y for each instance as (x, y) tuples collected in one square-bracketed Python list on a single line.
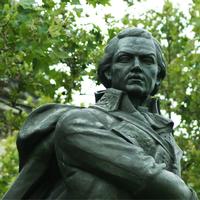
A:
[(83, 141), (167, 185)]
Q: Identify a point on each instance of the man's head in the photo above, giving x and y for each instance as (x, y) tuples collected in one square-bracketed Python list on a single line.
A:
[(133, 62)]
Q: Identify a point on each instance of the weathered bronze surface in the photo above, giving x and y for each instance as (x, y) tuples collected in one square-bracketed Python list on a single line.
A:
[(119, 148)]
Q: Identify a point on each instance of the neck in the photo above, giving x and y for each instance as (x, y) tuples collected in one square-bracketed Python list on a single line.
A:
[(137, 100)]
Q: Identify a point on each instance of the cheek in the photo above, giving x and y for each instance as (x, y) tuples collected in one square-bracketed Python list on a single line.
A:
[(118, 73), (151, 77), (121, 68), (151, 74)]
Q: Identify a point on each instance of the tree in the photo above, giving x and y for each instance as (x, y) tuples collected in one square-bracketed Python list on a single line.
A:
[(33, 39), (9, 163)]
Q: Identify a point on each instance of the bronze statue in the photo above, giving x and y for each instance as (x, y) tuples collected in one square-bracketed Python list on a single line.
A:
[(119, 148)]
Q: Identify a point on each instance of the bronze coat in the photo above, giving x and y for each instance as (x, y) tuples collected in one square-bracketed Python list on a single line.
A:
[(101, 152)]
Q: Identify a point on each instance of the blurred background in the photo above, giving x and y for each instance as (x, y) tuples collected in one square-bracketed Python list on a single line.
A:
[(49, 50)]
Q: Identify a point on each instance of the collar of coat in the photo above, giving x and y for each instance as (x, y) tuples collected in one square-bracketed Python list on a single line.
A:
[(111, 100)]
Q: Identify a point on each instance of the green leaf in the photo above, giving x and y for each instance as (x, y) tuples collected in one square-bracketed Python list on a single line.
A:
[(27, 4), (54, 30)]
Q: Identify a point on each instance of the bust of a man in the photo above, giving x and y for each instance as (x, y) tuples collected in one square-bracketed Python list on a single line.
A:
[(119, 148)]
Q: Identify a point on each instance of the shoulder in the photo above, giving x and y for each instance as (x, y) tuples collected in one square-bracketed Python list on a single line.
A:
[(37, 128), (79, 116), (75, 113), (40, 123), (43, 117)]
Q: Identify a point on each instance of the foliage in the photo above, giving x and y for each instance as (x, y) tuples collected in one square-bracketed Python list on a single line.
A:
[(8, 164), (35, 38)]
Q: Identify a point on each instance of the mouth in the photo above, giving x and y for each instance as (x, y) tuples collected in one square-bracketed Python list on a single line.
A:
[(135, 78)]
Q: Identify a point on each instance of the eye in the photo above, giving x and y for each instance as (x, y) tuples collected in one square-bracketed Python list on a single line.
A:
[(124, 58), (148, 60)]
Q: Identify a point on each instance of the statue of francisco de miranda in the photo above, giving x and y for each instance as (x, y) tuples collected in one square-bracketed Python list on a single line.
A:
[(119, 148)]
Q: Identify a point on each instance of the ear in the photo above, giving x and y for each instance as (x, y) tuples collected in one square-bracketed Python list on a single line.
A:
[(158, 81), (107, 74), (157, 85)]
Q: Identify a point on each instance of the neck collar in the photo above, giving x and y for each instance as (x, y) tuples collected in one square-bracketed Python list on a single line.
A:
[(113, 99)]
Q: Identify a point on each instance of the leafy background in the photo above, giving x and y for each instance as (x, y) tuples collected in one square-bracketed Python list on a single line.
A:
[(35, 38)]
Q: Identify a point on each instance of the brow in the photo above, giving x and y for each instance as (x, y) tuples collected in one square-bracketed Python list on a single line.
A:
[(131, 53)]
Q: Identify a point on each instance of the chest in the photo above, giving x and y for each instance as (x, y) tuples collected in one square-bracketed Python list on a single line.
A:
[(142, 135)]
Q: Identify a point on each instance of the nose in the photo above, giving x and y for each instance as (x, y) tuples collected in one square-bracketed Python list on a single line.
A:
[(136, 64), (136, 61)]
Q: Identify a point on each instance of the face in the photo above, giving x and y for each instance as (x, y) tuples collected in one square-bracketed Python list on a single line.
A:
[(134, 68)]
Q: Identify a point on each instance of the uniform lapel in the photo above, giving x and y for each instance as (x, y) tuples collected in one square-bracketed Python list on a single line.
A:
[(115, 103)]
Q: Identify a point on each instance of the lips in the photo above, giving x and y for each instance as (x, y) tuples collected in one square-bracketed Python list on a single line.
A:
[(135, 77)]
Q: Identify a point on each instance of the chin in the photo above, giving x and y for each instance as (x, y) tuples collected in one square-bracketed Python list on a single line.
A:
[(136, 91)]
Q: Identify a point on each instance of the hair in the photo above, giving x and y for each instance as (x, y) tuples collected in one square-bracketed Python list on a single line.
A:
[(106, 61)]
